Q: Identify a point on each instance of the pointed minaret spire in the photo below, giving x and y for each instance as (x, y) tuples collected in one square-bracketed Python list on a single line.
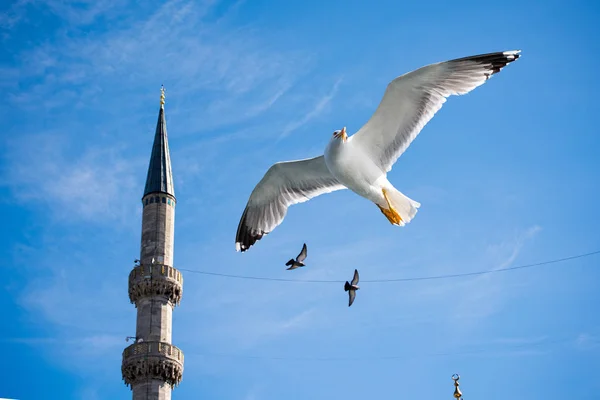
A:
[(160, 178)]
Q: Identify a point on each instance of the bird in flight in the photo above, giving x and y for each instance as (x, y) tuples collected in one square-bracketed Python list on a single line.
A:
[(361, 162), (351, 288), (293, 264)]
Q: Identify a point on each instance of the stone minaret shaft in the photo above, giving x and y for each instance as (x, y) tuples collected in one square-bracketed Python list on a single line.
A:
[(152, 366)]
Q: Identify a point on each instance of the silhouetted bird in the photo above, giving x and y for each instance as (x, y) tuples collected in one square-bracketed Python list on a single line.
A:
[(293, 264), (352, 287)]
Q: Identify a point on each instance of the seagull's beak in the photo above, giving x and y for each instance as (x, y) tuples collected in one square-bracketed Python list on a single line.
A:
[(343, 134)]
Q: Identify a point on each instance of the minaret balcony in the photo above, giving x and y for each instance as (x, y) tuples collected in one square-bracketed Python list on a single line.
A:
[(155, 280), (152, 360)]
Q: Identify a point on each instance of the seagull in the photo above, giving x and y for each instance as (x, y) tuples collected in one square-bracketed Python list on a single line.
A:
[(361, 162), (293, 264), (351, 288)]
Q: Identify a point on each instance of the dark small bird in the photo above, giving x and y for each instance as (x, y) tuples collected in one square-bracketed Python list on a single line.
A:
[(293, 264), (136, 261), (351, 288)]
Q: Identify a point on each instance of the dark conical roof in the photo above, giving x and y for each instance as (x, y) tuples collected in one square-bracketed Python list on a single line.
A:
[(160, 178)]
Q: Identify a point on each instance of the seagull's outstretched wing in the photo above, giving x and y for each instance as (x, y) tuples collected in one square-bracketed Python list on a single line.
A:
[(412, 99), (284, 184), (351, 296), (302, 256), (355, 278)]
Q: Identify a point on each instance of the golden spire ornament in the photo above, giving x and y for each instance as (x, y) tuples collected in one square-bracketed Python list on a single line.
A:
[(162, 96), (457, 392)]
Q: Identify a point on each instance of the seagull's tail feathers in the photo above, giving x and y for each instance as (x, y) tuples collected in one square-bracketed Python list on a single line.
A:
[(347, 286), (291, 262), (404, 206)]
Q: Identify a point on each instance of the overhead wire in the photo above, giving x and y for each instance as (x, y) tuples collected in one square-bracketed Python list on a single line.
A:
[(410, 279), (393, 357)]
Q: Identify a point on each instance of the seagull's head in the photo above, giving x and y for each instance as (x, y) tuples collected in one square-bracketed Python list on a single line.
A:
[(341, 134)]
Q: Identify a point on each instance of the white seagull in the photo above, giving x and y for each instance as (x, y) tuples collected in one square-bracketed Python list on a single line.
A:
[(361, 162)]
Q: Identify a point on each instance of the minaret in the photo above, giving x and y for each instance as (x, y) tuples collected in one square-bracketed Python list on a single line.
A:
[(152, 366)]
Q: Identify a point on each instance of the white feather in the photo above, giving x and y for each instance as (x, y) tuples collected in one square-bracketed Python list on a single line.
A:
[(284, 184), (412, 99)]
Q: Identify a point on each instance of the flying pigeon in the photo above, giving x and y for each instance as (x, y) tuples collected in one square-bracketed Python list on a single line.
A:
[(361, 162), (352, 287), (293, 264)]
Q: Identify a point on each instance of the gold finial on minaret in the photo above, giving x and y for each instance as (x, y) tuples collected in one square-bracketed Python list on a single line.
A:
[(162, 96), (457, 392)]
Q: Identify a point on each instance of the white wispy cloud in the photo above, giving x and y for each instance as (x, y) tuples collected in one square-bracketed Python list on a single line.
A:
[(519, 340), (13, 15), (317, 109), (177, 45), (90, 393), (459, 305), (70, 303), (482, 296), (245, 330), (77, 13), (210, 71), (87, 318), (587, 341), (88, 346), (87, 185), (82, 12)]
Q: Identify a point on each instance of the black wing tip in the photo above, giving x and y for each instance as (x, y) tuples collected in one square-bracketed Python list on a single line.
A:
[(494, 61), (246, 237), (503, 59)]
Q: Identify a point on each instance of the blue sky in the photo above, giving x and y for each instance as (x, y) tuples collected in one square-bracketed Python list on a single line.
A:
[(506, 175)]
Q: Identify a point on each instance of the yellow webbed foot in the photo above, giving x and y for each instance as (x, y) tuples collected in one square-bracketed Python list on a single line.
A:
[(390, 213)]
